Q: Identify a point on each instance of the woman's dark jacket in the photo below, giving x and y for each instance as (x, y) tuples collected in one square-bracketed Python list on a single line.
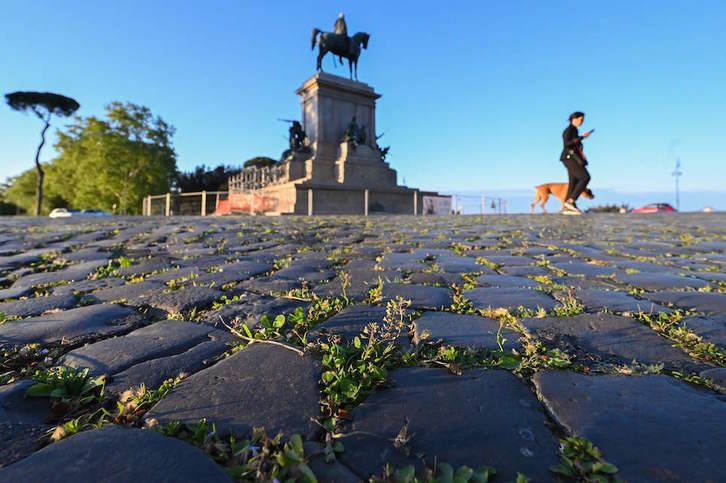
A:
[(572, 142)]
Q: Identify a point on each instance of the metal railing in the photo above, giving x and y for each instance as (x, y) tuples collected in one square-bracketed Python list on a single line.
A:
[(254, 178), (477, 205), (200, 203)]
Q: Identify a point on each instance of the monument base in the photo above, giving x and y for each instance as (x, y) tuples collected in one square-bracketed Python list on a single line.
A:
[(310, 198), (342, 170)]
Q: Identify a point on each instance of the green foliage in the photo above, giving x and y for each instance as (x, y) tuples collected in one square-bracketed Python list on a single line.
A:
[(569, 307), (111, 269), (282, 262), (103, 162), (580, 460), (537, 356), (694, 379), (68, 388), (608, 208), (134, 403), (7, 207), (442, 473), (21, 191), (672, 326), (20, 362), (470, 281), (461, 304), (203, 179), (42, 101), (259, 458), (352, 370), (89, 420), (375, 293), (456, 359), (259, 162), (487, 263)]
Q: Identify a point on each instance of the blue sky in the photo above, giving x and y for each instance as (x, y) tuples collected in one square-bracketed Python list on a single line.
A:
[(475, 94)]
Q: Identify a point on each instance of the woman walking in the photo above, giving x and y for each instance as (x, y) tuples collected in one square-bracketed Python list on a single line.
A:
[(575, 161)]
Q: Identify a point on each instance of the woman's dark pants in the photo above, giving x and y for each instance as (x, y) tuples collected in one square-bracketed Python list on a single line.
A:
[(579, 177)]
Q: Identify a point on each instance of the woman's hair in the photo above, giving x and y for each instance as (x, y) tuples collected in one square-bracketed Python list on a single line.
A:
[(576, 114)]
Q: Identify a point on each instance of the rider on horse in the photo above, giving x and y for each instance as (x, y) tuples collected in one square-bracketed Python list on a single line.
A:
[(341, 28)]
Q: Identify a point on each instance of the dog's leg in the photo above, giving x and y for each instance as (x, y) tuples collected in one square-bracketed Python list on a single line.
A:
[(545, 197), (536, 199)]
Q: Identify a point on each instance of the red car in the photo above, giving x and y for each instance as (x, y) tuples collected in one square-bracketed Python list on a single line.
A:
[(655, 208)]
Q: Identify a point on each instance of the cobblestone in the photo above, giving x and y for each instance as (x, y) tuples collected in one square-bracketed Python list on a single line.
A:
[(630, 351)]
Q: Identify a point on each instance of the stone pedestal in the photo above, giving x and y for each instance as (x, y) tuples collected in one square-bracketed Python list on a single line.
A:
[(329, 103), (337, 177), (362, 166)]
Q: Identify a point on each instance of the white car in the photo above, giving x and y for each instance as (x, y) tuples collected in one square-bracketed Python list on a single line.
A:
[(60, 213)]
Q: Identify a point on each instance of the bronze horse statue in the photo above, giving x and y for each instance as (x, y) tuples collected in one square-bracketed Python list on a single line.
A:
[(342, 46)]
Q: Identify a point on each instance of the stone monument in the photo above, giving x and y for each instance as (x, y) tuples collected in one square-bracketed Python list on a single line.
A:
[(334, 164)]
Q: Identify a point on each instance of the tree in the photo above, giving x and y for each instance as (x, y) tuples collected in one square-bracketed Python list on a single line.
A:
[(203, 179), (259, 162), (105, 162), (7, 207), (43, 104), (21, 190), (117, 161)]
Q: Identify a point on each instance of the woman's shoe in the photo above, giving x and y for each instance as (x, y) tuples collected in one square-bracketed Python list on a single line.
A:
[(571, 206)]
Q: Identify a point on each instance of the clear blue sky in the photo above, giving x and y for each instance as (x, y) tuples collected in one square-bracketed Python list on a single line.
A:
[(475, 94)]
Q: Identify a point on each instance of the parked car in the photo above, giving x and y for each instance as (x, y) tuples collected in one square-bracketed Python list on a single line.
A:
[(655, 208), (93, 212), (88, 213), (60, 213)]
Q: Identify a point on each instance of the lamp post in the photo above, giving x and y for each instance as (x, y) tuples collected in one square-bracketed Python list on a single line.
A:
[(677, 174)]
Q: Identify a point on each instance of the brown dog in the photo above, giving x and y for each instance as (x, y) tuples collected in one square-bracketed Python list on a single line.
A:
[(558, 190)]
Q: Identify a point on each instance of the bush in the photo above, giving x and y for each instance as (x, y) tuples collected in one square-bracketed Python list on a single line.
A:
[(608, 208)]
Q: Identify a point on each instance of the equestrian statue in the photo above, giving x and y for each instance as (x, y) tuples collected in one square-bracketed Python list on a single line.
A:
[(339, 44)]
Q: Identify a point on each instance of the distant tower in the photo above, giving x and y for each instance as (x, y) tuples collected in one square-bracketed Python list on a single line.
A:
[(677, 174)]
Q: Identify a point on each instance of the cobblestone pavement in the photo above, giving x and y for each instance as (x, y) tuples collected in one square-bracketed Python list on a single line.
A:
[(376, 347)]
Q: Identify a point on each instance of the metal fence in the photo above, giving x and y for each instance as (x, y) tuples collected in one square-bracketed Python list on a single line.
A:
[(477, 205), (365, 202), (202, 203)]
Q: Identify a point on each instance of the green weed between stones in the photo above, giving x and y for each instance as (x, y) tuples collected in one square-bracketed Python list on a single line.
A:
[(111, 269), (487, 263), (548, 285), (569, 307), (461, 304), (352, 370), (375, 293), (442, 473), (259, 458), (69, 389), (470, 281), (291, 328), (580, 460), (282, 262), (133, 403), (181, 283), (456, 359), (538, 356), (694, 379), (7, 318), (20, 362), (673, 327)]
